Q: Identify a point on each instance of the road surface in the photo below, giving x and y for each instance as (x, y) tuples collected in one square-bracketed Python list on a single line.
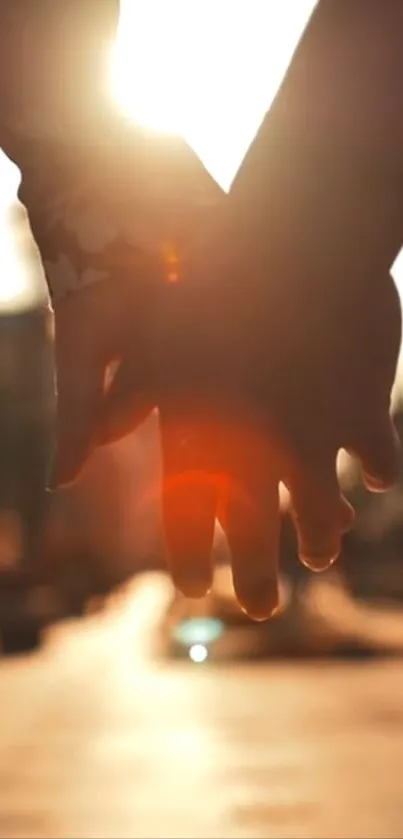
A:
[(97, 740)]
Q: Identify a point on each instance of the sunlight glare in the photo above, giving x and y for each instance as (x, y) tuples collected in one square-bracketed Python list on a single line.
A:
[(204, 69), (20, 287), (208, 70), (21, 280)]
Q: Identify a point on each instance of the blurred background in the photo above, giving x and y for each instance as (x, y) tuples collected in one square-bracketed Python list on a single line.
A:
[(126, 709)]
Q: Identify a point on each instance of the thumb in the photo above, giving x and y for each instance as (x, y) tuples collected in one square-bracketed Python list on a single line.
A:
[(126, 404), (80, 384)]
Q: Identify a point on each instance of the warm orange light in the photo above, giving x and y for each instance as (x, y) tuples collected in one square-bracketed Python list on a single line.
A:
[(171, 260)]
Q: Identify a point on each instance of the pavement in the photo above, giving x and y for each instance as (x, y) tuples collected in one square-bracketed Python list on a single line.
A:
[(99, 739)]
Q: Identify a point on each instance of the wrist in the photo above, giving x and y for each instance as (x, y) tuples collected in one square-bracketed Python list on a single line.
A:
[(64, 279)]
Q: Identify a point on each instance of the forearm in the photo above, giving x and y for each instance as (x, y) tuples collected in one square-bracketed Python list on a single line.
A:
[(91, 182), (106, 210), (322, 177)]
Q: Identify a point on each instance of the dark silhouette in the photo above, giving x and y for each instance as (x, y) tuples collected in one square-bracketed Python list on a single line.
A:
[(278, 346), (290, 323)]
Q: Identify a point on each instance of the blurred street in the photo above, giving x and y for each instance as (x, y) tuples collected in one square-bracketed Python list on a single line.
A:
[(98, 739)]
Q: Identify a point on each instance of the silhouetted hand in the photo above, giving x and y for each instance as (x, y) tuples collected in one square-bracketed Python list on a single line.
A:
[(96, 328), (278, 346), (262, 379), (283, 341), (108, 242)]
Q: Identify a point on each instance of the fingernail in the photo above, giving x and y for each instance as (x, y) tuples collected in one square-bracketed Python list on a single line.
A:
[(192, 585), (260, 605), (318, 563)]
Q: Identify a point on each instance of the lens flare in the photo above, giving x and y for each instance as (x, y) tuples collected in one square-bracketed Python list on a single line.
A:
[(198, 653)]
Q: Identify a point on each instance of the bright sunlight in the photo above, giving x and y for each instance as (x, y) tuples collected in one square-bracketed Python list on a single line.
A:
[(205, 69)]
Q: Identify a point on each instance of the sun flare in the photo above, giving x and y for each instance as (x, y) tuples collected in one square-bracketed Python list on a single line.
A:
[(205, 69)]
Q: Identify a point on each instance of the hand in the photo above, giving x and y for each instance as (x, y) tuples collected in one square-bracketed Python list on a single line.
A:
[(259, 384), (94, 328), (121, 208), (280, 345)]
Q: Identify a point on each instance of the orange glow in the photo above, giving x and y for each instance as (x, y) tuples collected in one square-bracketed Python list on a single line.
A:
[(171, 260), (197, 480), (188, 480), (212, 462)]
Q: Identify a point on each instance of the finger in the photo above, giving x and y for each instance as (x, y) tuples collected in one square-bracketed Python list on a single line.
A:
[(347, 514), (319, 513), (251, 515), (378, 450), (79, 395), (252, 525), (125, 405), (189, 503)]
